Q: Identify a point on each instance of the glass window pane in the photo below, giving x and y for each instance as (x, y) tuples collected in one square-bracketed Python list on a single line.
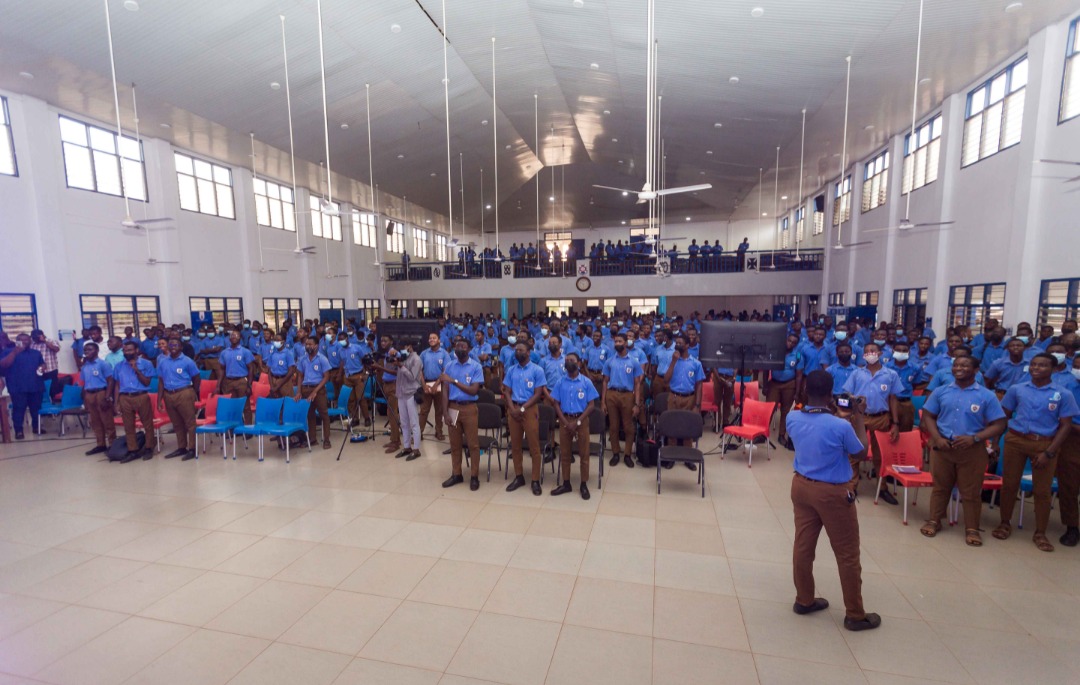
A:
[(262, 211), (183, 164), (978, 101), (80, 173), (129, 148), (102, 140), (7, 153), (1019, 75), (203, 169), (207, 205), (72, 131), (275, 214), (225, 202), (259, 185), (936, 127), (997, 89), (189, 198), (107, 170), (972, 138), (133, 179), (273, 190), (290, 219), (222, 175), (1014, 119), (991, 139)]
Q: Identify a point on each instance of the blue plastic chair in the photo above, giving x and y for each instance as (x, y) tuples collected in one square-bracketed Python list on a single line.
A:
[(154, 384), (917, 402), (330, 396), (267, 417), (205, 375), (341, 411), (293, 420), (230, 415), (70, 404)]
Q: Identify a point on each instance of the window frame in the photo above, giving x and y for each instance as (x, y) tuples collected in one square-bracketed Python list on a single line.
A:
[(560, 307), (875, 172), (837, 299), (985, 89), (275, 315), (1070, 308), (931, 156), (868, 298), (604, 305), (9, 136), (109, 313), (399, 309), (842, 200), (286, 208), (908, 297), (1070, 75), (640, 306), (229, 314), (395, 240), (800, 224), (92, 156), (324, 221), (335, 303), (785, 233), (442, 247), (14, 329), (366, 305), (985, 307), (421, 243), (216, 185), (364, 232)]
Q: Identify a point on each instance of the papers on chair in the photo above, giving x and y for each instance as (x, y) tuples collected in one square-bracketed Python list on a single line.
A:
[(907, 470), (451, 416)]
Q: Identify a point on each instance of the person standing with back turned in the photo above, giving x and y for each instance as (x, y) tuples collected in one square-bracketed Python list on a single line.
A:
[(823, 495)]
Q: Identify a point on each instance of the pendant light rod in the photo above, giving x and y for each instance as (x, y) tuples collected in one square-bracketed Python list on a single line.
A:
[(116, 102), (776, 209), (802, 203), (494, 138), (326, 116), (461, 180), (138, 143), (914, 103), (292, 143), (536, 123), (446, 97), (843, 154), (371, 172), (254, 177)]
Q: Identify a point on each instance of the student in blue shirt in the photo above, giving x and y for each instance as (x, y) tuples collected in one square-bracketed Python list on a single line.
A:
[(843, 368), (960, 418), (879, 386), (574, 397), (433, 361), (1009, 370), (481, 352), (781, 386), (823, 496), (621, 399), (177, 394), (909, 374), (596, 355), (355, 378), (130, 385), (238, 371), (523, 389), (95, 373), (684, 377), (660, 361), (21, 365), (554, 365), (1040, 420), (460, 382), (314, 371), (280, 365)]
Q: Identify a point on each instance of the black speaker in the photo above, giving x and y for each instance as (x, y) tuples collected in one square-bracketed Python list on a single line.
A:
[(389, 227)]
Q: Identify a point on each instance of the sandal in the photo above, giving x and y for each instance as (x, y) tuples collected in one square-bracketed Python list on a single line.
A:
[(1003, 531), (931, 528), (1042, 543), (972, 537)]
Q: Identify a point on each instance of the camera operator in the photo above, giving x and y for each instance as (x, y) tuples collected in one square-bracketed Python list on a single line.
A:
[(388, 370), (822, 494), (408, 372)]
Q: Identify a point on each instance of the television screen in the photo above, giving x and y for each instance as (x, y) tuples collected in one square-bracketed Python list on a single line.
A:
[(743, 344)]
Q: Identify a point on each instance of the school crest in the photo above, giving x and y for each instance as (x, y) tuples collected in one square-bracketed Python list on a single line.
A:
[(529, 384), (468, 379), (975, 409), (884, 387), (1053, 406), (628, 369), (581, 394)]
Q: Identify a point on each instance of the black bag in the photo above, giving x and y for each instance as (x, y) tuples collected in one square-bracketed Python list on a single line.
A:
[(647, 452), (118, 449)]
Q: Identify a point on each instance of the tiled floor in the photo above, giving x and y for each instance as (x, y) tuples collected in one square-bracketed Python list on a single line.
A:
[(366, 571)]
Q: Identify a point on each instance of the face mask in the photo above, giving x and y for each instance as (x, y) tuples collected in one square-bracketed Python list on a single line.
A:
[(841, 335), (329, 337), (1023, 338), (629, 343), (462, 355), (277, 344), (220, 330), (553, 349), (619, 349), (1059, 356), (900, 356), (185, 338), (545, 332), (460, 327), (130, 356), (343, 343), (511, 339), (871, 358), (521, 357), (572, 367), (1075, 373), (880, 342), (844, 360), (202, 334), (247, 325)]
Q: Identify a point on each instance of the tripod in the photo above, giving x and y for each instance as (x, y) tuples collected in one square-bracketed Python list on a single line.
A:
[(742, 398), (351, 432)]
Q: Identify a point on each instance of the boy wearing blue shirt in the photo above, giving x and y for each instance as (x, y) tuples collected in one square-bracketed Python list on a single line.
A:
[(781, 386), (130, 385), (909, 374), (238, 370), (574, 398), (433, 360), (843, 368), (460, 383), (314, 370), (95, 373), (523, 388), (621, 399), (684, 377), (880, 387), (177, 394)]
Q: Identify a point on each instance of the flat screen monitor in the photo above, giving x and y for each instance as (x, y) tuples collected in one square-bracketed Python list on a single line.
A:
[(743, 344), (403, 331)]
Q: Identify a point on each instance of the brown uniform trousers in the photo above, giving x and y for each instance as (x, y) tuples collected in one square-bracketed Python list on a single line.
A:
[(525, 426), (819, 504), (620, 411), (464, 432), (1068, 475), (101, 416), (213, 365), (881, 422), (357, 382), (238, 387), (784, 395), (132, 406), (659, 385), (425, 409), (964, 470), (724, 394), (390, 392), (905, 414), (276, 391), (337, 377), (180, 405), (321, 405), (685, 404), (1018, 451), (567, 433)]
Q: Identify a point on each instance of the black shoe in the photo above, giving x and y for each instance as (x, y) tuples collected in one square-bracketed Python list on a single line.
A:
[(175, 453), (474, 483), (869, 623), (147, 454), (667, 464), (548, 458), (562, 489), (189, 455), (615, 459), (453, 480), (516, 483), (1071, 537), (414, 455), (367, 423), (817, 605), (130, 456), (536, 488), (402, 453), (628, 461), (354, 422), (584, 491), (19, 436), (888, 497), (97, 450), (690, 465)]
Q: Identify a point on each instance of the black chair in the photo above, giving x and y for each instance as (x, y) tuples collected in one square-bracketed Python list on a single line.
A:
[(490, 421), (659, 406), (677, 424), (598, 429), (486, 396)]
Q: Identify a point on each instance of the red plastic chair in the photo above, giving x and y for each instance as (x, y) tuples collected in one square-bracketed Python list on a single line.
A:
[(209, 411), (753, 391), (756, 418), (206, 389), (709, 406), (264, 378), (259, 390), (905, 452), (161, 419)]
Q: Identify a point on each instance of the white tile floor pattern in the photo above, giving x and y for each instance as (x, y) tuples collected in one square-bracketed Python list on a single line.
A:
[(366, 571)]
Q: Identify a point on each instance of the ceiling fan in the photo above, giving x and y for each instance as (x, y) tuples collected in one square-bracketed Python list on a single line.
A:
[(843, 164), (647, 193), (1066, 162), (906, 224), (128, 221), (258, 229)]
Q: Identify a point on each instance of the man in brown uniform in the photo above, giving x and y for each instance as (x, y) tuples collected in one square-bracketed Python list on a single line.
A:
[(177, 393), (621, 399), (1068, 473), (95, 373), (130, 387), (460, 382), (238, 371)]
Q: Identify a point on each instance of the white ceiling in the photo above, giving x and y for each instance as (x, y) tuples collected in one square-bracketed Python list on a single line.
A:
[(204, 67)]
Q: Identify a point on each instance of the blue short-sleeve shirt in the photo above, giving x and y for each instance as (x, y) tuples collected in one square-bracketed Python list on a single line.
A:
[(1038, 410), (466, 373), (687, 374), (621, 372), (235, 361), (963, 411), (126, 378), (95, 374), (574, 394), (823, 444), (523, 381), (434, 362), (312, 370), (177, 373), (875, 387), (280, 362)]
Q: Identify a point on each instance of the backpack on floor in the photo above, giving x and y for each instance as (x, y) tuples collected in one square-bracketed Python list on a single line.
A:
[(118, 449), (647, 451)]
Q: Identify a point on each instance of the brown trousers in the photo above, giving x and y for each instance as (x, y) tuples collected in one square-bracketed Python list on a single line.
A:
[(425, 409), (337, 377), (685, 404), (525, 426), (180, 406), (321, 405), (390, 392), (905, 413), (826, 505), (659, 385), (873, 424), (620, 411), (964, 470), (278, 388), (357, 382), (101, 416), (238, 387), (1018, 451), (784, 395), (567, 434), (212, 365), (132, 406), (1068, 475), (464, 432)]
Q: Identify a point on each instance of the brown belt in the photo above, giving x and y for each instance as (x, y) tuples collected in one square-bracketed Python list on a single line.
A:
[(1035, 437), (171, 392), (133, 394), (880, 413), (682, 394), (94, 392)]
